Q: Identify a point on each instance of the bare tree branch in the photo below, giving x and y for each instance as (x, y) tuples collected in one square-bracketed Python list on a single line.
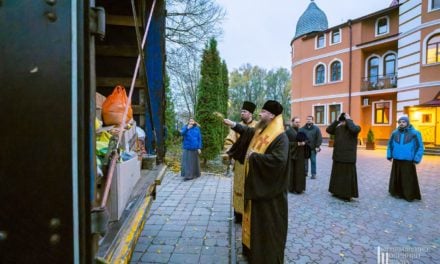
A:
[(189, 26)]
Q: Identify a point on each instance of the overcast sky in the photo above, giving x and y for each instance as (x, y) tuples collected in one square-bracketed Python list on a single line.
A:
[(259, 31)]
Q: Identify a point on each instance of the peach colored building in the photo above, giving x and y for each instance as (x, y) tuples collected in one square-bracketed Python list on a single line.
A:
[(376, 67)]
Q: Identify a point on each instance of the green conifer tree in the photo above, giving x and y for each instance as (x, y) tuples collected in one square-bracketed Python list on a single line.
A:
[(225, 96), (209, 100)]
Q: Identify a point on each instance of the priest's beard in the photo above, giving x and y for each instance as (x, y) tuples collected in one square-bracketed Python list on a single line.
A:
[(261, 125)]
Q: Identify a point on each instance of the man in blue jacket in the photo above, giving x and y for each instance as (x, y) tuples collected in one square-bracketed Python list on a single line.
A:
[(405, 149)]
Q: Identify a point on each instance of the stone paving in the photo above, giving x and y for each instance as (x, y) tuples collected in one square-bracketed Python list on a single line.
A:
[(324, 229), (190, 221)]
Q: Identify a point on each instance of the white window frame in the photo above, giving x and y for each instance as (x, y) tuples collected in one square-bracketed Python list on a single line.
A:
[(424, 48), (330, 70), (373, 111), (377, 24), (325, 114), (331, 37), (383, 60), (314, 74), (329, 122), (316, 41), (380, 64), (430, 8)]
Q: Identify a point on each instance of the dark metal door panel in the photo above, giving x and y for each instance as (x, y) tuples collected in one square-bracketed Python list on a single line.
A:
[(36, 204)]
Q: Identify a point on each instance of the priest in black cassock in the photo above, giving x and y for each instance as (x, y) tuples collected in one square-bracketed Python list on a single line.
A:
[(343, 178), (265, 152)]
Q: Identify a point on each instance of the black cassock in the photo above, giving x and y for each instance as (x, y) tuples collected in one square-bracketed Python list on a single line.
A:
[(297, 179), (343, 178), (266, 185)]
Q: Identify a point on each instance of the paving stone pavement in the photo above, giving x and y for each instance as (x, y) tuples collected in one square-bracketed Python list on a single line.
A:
[(190, 222), (324, 229)]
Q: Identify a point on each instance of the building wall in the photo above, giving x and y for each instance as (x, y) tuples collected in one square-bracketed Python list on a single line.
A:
[(368, 31), (380, 131), (428, 72), (410, 26), (418, 82), (409, 50), (428, 14)]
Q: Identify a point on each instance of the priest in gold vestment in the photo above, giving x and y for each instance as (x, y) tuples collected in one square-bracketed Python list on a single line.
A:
[(247, 110)]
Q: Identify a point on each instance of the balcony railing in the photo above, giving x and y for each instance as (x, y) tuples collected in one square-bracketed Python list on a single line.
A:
[(379, 82)]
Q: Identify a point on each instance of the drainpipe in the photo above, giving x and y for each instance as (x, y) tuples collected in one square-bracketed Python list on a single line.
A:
[(349, 67)]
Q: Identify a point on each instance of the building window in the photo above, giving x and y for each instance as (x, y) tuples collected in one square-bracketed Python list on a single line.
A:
[(390, 65), (334, 111), (390, 70), (319, 111), (382, 112), (336, 36), (335, 71), (373, 71), (433, 50), (320, 41), (320, 74), (435, 4), (382, 26), (426, 118)]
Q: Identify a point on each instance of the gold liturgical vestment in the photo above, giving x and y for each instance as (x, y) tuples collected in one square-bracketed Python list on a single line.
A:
[(259, 143), (238, 196)]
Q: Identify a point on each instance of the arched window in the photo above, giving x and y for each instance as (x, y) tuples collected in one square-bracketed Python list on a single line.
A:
[(390, 70), (390, 65), (320, 74), (335, 71), (433, 50), (382, 26), (373, 70)]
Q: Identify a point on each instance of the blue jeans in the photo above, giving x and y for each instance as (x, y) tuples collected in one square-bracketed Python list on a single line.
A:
[(312, 162)]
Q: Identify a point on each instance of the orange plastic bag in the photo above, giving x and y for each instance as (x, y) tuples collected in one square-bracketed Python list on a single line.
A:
[(114, 106)]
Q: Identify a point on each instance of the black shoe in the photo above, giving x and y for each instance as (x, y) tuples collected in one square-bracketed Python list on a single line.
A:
[(238, 218), (313, 176), (246, 251)]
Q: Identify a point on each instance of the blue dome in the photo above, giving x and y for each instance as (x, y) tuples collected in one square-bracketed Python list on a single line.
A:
[(313, 19)]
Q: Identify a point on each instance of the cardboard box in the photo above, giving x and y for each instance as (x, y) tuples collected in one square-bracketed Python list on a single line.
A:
[(125, 177)]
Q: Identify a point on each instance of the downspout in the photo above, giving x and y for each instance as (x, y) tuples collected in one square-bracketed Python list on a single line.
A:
[(349, 66)]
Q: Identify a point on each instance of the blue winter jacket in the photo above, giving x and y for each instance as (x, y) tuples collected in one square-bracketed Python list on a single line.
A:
[(192, 138), (405, 145)]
